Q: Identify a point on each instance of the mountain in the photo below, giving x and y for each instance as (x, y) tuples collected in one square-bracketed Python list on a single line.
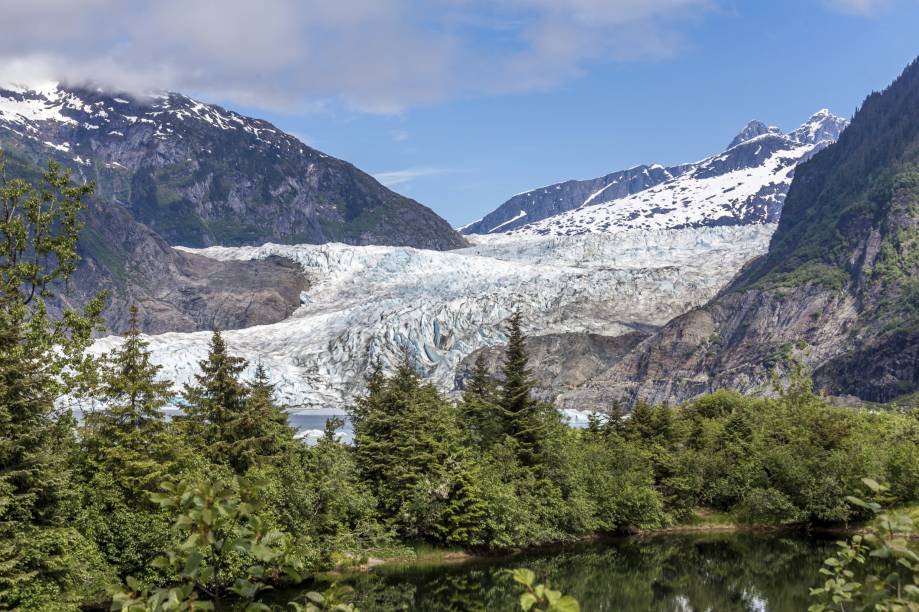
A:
[(837, 290), (199, 175), (176, 291), (744, 184), (549, 201), (173, 171), (364, 303)]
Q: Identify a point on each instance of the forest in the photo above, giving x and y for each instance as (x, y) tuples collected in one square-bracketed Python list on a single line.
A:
[(119, 506)]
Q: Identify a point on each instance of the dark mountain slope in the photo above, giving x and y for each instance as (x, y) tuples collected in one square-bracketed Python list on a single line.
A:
[(838, 289), (200, 175), (175, 290)]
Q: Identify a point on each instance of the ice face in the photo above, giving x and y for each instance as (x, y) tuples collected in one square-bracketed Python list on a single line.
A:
[(365, 303)]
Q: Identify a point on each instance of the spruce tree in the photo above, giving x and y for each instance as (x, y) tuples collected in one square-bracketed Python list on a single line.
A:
[(405, 436), (127, 436), (522, 415), (217, 397), (258, 432), (41, 359), (461, 520), (479, 407)]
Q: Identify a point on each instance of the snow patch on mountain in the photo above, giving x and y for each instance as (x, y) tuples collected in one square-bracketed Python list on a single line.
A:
[(745, 184), (30, 109), (367, 303), (692, 200)]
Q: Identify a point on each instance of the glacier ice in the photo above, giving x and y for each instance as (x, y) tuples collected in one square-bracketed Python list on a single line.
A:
[(371, 302)]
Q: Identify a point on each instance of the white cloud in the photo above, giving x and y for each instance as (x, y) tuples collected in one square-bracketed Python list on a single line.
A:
[(862, 8), (372, 55), (401, 177)]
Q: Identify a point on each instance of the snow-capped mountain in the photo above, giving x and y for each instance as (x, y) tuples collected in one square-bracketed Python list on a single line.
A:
[(545, 202), (744, 184), (368, 302), (171, 170), (201, 175)]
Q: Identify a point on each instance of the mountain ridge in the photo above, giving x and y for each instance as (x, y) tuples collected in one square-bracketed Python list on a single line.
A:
[(837, 291), (170, 171), (651, 196), (200, 175)]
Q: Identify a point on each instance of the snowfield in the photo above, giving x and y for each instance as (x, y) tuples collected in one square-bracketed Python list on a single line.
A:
[(694, 199), (371, 302), (744, 184)]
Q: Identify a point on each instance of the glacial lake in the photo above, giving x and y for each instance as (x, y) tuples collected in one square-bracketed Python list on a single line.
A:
[(662, 573), (310, 424)]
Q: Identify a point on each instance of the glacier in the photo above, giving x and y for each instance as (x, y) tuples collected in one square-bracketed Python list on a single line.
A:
[(365, 303)]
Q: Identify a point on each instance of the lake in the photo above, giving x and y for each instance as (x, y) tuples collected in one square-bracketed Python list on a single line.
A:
[(672, 573), (310, 424)]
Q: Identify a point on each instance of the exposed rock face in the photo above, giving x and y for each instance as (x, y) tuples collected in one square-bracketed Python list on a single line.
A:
[(200, 175), (734, 342), (837, 290), (560, 362), (175, 290)]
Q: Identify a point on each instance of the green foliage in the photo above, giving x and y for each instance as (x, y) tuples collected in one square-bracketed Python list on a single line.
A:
[(216, 399), (221, 546), (522, 417), (329, 600), (258, 430), (479, 409), (41, 359), (540, 596), (407, 439), (127, 436), (875, 571)]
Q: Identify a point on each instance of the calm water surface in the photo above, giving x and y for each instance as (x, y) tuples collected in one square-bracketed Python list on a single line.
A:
[(678, 573)]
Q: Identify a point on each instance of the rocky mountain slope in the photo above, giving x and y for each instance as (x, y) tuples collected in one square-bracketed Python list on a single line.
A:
[(200, 175), (175, 290), (837, 290), (173, 171), (745, 184), (369, 302), (560, 363)]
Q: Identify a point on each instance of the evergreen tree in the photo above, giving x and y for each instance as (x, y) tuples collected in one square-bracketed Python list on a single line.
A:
[(41, 359), (258, 431), (461, 519), (405, 434), (523, 417), (126, 437), (217, 397), (616, 419), (479, 408)]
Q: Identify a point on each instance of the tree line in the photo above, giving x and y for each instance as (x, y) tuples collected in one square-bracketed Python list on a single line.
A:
[(125, 507)]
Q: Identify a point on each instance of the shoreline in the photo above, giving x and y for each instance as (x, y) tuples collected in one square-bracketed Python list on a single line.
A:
[(435, 556)]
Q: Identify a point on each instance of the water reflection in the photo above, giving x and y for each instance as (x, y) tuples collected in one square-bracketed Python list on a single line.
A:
[(673, 573)]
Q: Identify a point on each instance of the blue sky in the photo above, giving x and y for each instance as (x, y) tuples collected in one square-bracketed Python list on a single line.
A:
[(462, 103), (773, 61)]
